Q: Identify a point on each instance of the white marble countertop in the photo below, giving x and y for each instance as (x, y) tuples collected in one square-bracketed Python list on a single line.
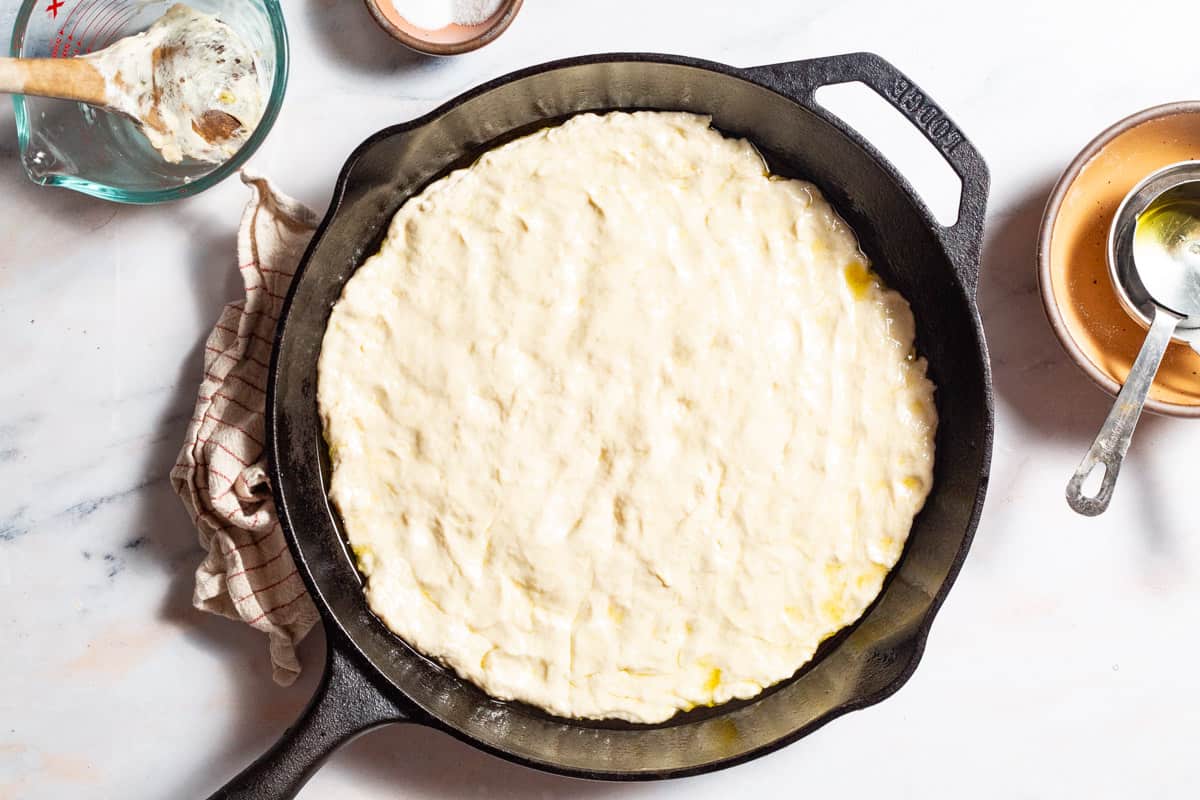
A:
[(1060, 666)]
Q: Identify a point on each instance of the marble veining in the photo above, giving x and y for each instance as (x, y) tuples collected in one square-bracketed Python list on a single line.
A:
[(13, 528), (85, 508)]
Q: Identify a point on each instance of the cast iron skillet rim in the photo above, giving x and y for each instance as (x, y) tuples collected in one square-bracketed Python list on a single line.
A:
[(746, 74), (337, 635)]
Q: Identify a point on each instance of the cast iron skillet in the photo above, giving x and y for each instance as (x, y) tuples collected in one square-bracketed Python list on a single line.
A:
[(372, 678)]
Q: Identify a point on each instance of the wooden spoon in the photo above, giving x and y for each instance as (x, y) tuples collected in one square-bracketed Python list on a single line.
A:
[(66, 78), (189, 82), (78, 79)]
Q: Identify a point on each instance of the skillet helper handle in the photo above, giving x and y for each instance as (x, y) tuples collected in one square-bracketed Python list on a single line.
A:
[(800, 81), (346, 705)]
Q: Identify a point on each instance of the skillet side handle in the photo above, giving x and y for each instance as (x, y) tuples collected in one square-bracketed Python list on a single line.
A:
[(346, 705), (800, 80)]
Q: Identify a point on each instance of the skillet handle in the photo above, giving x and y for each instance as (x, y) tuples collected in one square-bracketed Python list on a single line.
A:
[(800, 80), (346, 705)]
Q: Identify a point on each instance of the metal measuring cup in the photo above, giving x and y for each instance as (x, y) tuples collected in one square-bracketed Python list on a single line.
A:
[(1154, 263)]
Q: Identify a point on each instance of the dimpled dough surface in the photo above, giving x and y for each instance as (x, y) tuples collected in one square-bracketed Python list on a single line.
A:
[(621, 425)]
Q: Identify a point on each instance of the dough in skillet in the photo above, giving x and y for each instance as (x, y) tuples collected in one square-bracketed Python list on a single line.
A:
[(620, 424)]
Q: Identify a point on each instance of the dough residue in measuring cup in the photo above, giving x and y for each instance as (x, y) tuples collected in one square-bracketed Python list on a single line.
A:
[(190, 80)]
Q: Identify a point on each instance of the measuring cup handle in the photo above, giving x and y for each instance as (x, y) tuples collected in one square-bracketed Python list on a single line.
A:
[(1112, 442)]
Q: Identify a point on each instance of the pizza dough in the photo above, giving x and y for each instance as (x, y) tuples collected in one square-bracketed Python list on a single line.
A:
[(621, 424)]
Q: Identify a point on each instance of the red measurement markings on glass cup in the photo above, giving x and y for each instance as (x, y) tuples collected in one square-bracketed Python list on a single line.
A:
[(112, 25), (91, 25), (84, 15)]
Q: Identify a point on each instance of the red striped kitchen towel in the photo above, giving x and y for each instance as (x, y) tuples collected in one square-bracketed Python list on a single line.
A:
[(221, 473)]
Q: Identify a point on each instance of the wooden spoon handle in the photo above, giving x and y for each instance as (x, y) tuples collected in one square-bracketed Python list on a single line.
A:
[(67, 78)]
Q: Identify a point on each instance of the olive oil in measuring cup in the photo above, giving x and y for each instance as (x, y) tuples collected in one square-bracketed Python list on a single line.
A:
[(1166, 246)]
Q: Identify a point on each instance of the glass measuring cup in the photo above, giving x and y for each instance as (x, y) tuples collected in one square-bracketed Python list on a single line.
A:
[(101, 153)]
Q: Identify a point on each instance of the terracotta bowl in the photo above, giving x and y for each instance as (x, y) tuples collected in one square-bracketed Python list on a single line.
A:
[(448, 41), (1077, 292)]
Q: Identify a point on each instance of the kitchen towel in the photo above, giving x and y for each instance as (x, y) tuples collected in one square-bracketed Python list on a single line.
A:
[(221, 472)]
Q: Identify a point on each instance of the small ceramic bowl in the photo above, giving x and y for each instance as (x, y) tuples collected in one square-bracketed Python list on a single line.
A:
[(1077, 292), (448, 41)]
